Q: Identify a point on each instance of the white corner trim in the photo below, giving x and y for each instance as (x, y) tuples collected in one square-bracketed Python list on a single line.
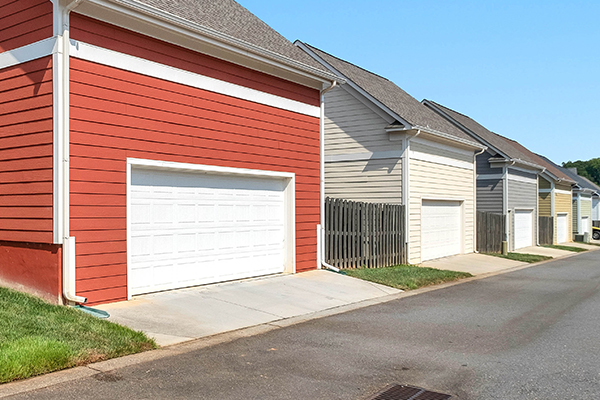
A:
[(141, 66), (378, 155), (27, 53), (417, 155), (212, 169)]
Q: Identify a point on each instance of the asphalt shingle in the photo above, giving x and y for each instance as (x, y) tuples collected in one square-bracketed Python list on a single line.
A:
[(392, 96)]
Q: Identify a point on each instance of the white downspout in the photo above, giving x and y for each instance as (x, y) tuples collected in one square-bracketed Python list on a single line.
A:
[(475, 199), (68, 250), (321, 227)]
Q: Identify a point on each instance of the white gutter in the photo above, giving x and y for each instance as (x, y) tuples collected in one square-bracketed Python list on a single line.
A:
[(475, 198), (68, 242), (321, 227)]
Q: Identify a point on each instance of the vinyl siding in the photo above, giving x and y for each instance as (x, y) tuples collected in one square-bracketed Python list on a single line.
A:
[(595, 209), (117, 114), (26, 155), (483, 164), (433, 180), (376, 181), (111, 37), (586, 207), (575, 219), (417, 145), (23, 22), (522, 196), (543, 183), (562, 204), (545, 204), (489, 195), (352, 127)]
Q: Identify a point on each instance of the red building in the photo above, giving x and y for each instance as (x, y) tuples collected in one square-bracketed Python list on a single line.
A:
[(152, 145)]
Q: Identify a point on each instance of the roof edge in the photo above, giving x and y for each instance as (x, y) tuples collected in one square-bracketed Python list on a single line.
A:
[(231, 43)]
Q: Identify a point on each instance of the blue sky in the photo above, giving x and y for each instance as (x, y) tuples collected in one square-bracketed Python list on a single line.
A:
[(528, 70)]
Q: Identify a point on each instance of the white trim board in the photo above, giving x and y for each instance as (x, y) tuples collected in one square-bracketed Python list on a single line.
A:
[(28, 53), (417, 155), (378, 155), (153, 69)]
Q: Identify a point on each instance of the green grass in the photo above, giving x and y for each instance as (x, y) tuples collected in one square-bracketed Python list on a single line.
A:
[(566, 248), (406, 277), (528, 258), (37, 337)]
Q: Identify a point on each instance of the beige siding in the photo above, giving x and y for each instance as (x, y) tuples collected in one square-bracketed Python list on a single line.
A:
[(562, 204), (544, 184), (352, 127), (574, 224), (433, 180), (377, 181), (545, 204), (443, 152)]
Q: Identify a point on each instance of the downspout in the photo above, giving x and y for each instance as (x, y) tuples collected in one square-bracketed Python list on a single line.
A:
[(475, 199), (406, 191), (321, 227), (506, 210), (68, 250)]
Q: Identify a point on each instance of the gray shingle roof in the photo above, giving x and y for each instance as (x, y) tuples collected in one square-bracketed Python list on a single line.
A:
[(580, 180), (391, 96), (510, 148), (230, 18)]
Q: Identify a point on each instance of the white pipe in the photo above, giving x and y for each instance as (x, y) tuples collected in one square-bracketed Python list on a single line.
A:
[(406, 189), (68, 251), (321, 228)]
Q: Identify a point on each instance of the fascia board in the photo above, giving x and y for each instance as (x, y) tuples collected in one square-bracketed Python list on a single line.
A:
[(353, 85), (463, 128), (180, 26)]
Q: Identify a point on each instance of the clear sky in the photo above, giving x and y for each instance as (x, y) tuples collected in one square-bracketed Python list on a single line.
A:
[(528, 70)]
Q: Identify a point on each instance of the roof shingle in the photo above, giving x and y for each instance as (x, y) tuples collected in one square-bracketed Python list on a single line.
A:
[(391, 96)]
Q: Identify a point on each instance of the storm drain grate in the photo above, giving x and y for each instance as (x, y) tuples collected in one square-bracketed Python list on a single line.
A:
[(401, 392)]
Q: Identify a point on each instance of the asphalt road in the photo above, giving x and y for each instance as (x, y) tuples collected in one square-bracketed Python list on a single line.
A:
[(529, 334)]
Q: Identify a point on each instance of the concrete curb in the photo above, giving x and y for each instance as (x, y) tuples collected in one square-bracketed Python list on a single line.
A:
[(68, 375)]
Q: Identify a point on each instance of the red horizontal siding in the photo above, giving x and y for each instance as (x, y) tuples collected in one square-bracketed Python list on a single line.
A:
[(117, 114), (23, 22), (26, 151), (118, 39)]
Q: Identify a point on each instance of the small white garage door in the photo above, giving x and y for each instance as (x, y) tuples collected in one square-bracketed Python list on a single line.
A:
[(189, 228), (523, 229), (441, 224), (562, 227)]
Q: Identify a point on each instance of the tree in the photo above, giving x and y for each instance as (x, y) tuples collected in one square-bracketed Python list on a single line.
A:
[(588, 169)]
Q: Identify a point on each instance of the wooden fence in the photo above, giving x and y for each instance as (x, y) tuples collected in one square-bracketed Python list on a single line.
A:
[(490, 232), (546, 230), (361, 234)]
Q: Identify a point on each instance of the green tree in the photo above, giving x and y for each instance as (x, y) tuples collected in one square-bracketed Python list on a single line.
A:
[(588, 169)]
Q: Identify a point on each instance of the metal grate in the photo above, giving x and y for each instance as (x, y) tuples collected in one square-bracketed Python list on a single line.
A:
[(401, 392)]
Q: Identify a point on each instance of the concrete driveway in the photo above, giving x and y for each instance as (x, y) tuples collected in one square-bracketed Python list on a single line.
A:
[(473, 263), (545, 251), (180, 315)]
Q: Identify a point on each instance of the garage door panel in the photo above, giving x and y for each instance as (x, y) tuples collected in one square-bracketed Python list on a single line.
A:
[(441, 229), (562, 228), (523, 226), (190, 229)]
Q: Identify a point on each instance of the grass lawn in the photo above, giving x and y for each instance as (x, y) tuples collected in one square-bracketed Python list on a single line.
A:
[(406, 277), (566, 248), (37, 337), (528, 258)]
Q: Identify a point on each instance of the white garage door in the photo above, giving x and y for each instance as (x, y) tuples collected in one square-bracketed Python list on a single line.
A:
[(440, 229), (562, 228), (523, 229), (585, 224), (190, 228)]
